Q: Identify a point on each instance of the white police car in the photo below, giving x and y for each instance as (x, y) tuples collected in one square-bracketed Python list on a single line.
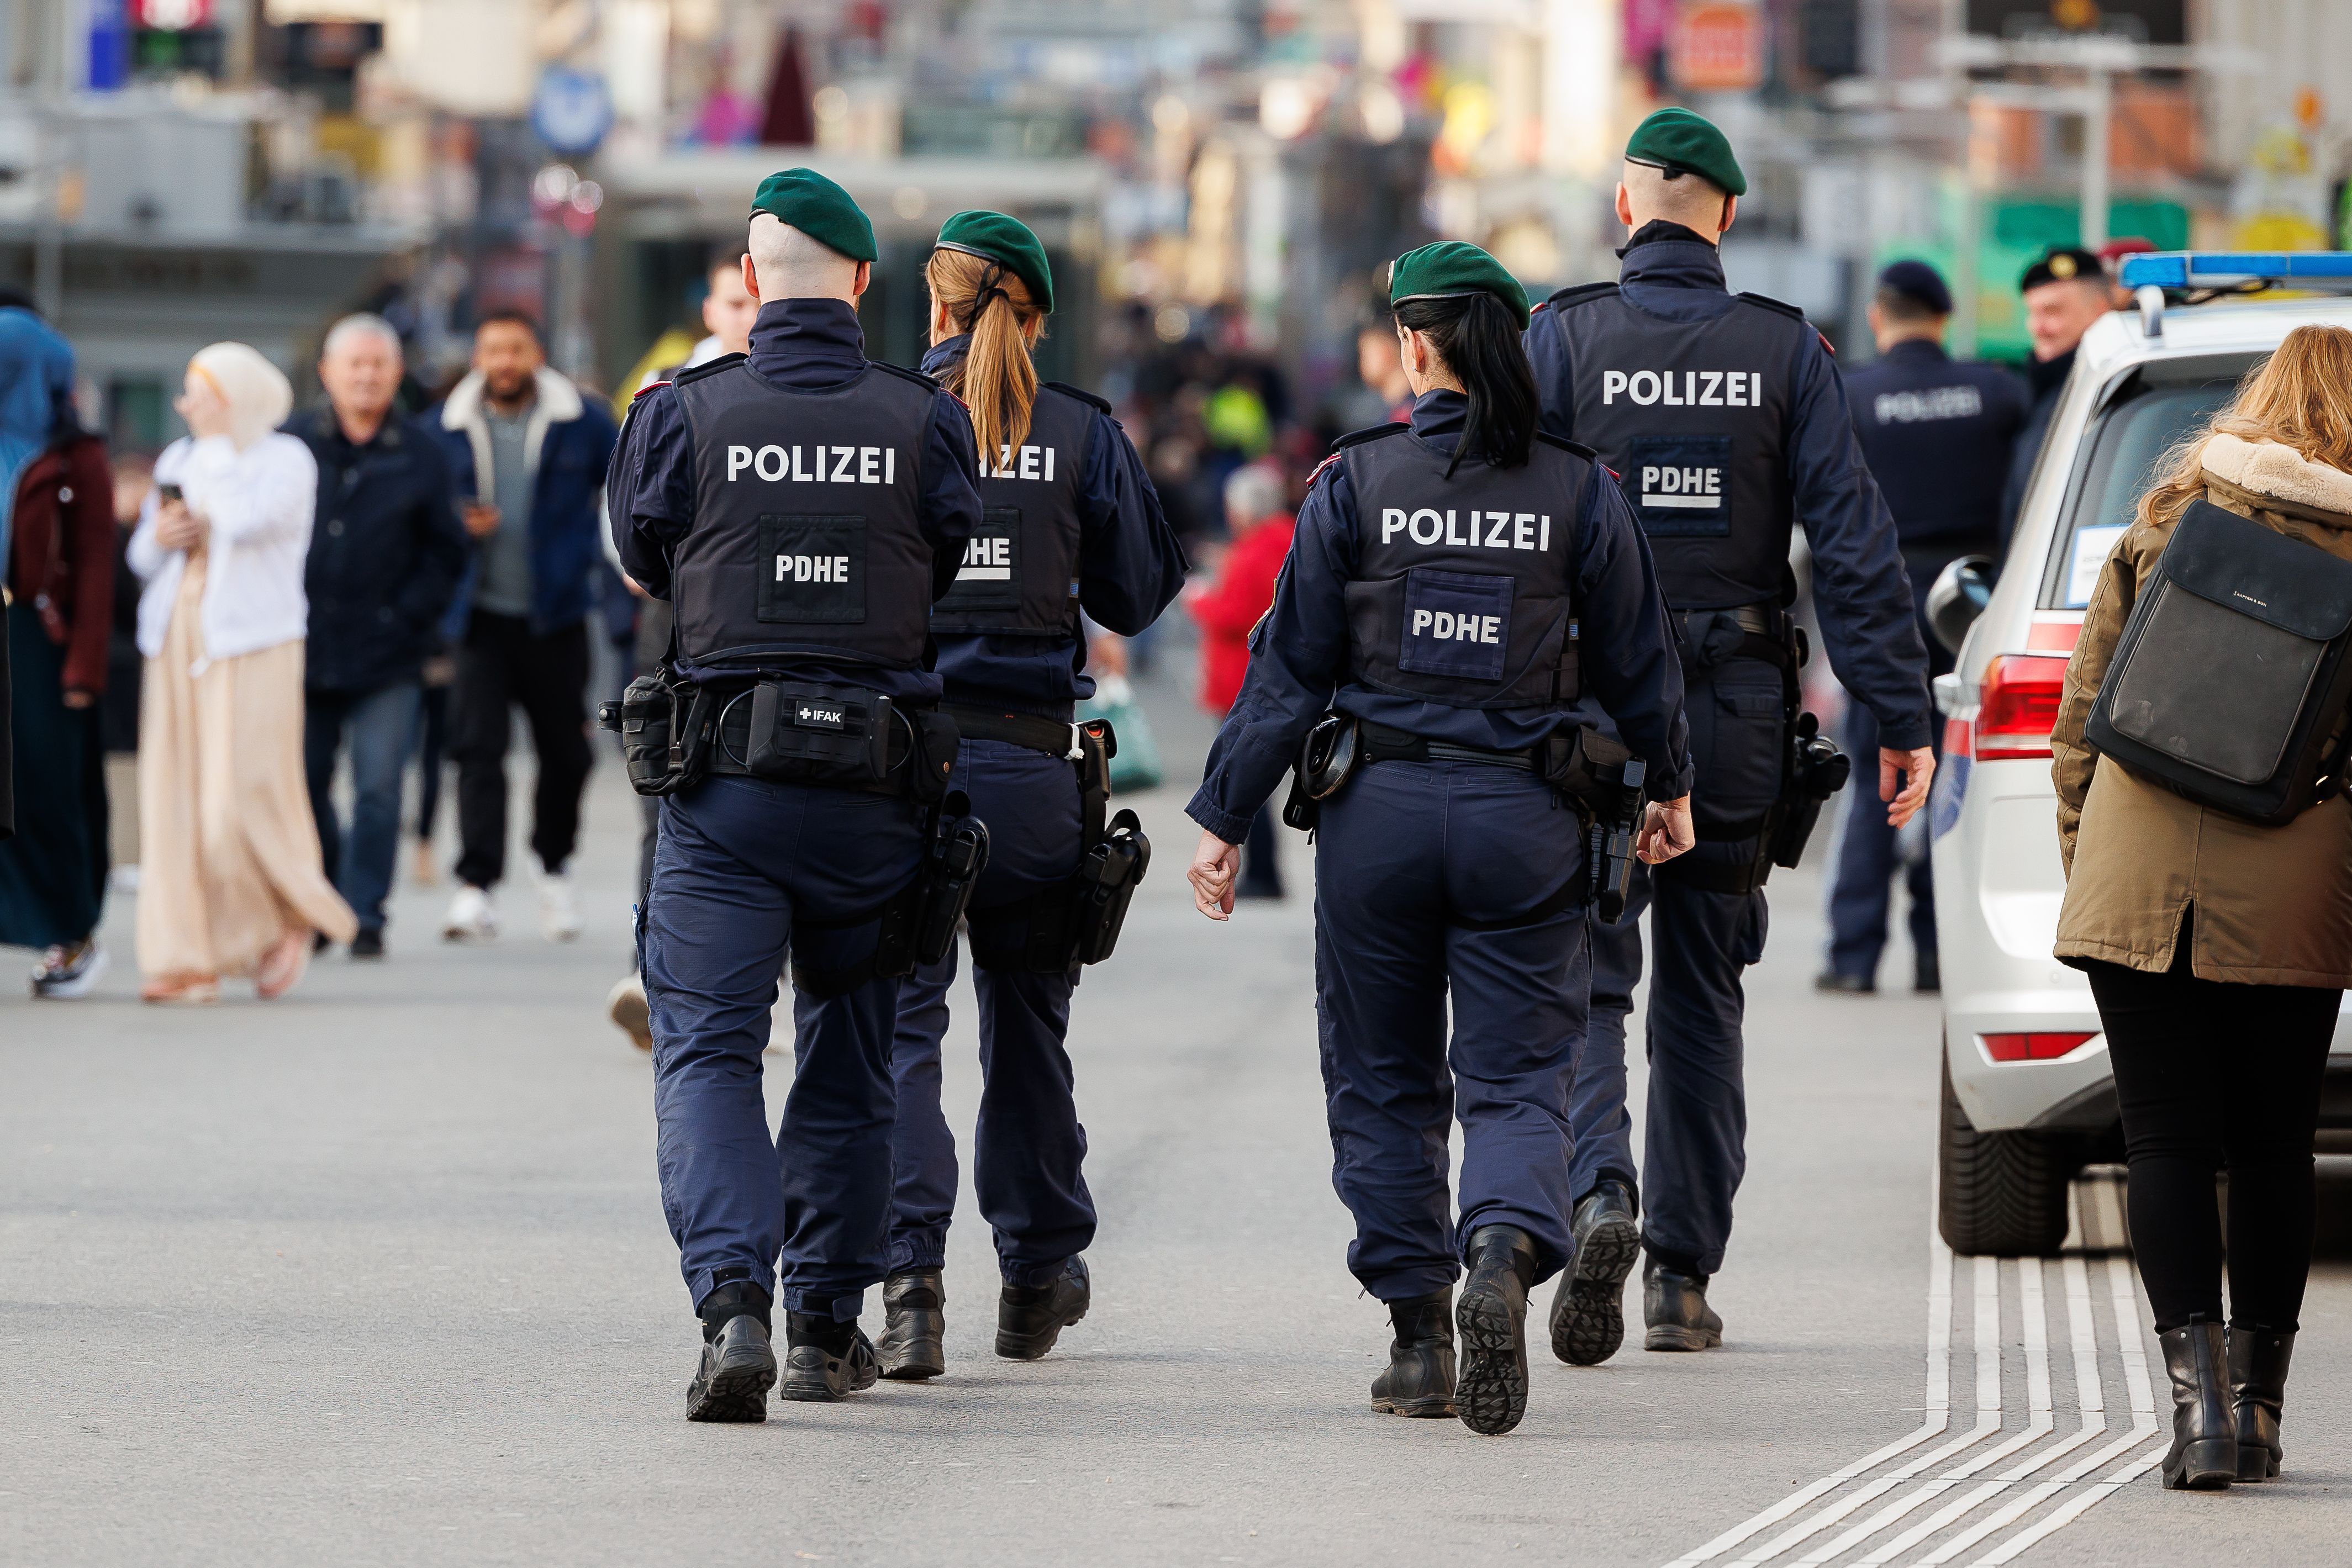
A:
[(2028, 1099)]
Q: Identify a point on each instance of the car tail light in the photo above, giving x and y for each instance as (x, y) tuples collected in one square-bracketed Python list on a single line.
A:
[(2034, 1047), (2019, 705)]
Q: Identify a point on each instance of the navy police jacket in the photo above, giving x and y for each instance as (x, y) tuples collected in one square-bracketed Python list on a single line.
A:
[(1860, 588), (1938, 435), (1129, 567), (802, 345), (1300, 654)]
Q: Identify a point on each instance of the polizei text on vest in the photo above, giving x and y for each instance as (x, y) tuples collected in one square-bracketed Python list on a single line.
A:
[(816, 465), (1483, 530)]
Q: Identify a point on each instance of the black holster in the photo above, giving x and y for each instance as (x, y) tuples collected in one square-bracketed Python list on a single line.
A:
[(1079, 922), (918, 922), (1603, 779), (1327, 759)]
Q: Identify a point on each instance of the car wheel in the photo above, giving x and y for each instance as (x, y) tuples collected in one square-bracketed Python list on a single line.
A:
[(2002, 1194)]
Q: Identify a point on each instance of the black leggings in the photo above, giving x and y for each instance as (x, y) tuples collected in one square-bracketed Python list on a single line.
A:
[(2211, 1073)]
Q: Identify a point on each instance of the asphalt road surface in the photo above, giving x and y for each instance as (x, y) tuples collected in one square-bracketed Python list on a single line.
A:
[(377, 1274)]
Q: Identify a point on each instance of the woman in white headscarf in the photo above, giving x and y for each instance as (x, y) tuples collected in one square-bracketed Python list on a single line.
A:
[(231, 880)]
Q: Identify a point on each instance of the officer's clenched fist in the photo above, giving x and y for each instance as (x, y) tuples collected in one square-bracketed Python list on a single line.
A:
[(1215, 865), (1666, 831)]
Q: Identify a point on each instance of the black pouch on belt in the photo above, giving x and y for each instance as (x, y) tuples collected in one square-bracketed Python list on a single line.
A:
[(1326, 761), (659, 719), (819, 735)]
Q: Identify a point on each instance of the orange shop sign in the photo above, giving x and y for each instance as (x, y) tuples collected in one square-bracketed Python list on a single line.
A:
[(1720, 46)]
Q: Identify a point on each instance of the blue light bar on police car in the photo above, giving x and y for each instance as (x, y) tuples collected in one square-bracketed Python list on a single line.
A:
[(2230, 269)]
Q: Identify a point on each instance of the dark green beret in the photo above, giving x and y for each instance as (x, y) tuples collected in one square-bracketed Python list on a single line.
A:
[(1451, 268), (1678, 141), (1007, 242), (819, 209)]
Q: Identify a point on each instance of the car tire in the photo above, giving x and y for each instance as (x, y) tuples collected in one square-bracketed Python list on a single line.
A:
[(2001, 1194)]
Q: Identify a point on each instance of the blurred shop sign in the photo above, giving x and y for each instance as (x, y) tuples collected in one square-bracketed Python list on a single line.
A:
[(572, 111), (1719, 46), (281, 12), (172, 15), (2142, 21)]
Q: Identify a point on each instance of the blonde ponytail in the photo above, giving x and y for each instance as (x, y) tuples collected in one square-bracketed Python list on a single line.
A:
[(996, 379)]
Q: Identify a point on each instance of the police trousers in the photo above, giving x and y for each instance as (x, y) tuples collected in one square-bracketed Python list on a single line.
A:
[(1431, 878), (1029, 1148), (745, 872), (1695, 1140)]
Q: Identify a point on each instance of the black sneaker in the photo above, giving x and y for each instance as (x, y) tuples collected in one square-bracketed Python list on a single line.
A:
[(1837, 983), (825, 1359), (369, 943), (1674, 1309), (1926, 974), (1030, 1318), (915, 1325), (1588, 1315), (1491, 1395), (739, 1367), (1419, 1380)]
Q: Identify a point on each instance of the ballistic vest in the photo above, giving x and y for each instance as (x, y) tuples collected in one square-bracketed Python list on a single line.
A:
[(1462, 592), (1693, 416), (806, 538), (1020, 572)]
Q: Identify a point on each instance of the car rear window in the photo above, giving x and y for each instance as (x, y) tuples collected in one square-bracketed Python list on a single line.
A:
[(2143, 420)]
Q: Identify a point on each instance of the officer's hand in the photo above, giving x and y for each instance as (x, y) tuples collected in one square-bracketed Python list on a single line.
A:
[(1917, 768), (1666, 831), (1215, 865)]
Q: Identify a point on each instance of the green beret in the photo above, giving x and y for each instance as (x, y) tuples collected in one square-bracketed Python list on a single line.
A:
[(1451, 268), (1679, 142), (1007, 242), (819, 209)]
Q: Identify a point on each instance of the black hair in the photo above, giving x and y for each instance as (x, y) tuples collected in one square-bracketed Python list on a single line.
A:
[(17, 300), (1905, 308), (1478, 339), (512, 317)]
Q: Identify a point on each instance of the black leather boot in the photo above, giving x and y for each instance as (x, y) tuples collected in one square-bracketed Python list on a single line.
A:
[(825, 1359), (1675, 1310), (1030, 1318), (2204, 1456), (1491, 1395), (2258, 1360), (914, 1325), (1588, 1315), (739, 1365), (1419, 1377)]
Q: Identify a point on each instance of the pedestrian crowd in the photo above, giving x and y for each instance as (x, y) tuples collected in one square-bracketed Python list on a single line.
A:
[(859, 719)]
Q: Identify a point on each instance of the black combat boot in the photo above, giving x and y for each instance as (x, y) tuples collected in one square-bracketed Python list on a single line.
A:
[(739, 1365), (915, 1325), (1675, 1310), (825, 1358), (2204, 1456), (1030, 1318), (2258, 1359), (1588, 1314), (1419, 1378), (1492, 1395)]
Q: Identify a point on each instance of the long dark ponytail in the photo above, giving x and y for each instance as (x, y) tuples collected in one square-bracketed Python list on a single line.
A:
[(1479, 342)]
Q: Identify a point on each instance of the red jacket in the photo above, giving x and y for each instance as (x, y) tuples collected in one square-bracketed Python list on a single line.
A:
[(61, 540), (1242, 593)]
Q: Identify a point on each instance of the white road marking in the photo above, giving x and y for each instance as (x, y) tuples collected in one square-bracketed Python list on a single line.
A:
[(2033, 1509)]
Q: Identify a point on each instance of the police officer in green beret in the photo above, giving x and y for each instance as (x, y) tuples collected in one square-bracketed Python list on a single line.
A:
[(1457, 587), (1726, 419), (802, 507)]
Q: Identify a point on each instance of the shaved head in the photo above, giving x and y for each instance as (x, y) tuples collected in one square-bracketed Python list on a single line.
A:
[(791, 266), (1690, 200)]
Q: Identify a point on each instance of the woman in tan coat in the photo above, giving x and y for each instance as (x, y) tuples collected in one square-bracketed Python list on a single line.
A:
[(2218, 948), (231, 880)]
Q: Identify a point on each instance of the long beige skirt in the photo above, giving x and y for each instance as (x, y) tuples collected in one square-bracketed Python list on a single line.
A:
[(229, 853)]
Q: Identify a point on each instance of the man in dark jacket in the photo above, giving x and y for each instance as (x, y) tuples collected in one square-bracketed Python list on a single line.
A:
[(2065, 293), (528, 454), (387, 552)]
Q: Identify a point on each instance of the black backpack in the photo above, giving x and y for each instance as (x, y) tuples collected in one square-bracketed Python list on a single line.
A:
[(2233, 671)]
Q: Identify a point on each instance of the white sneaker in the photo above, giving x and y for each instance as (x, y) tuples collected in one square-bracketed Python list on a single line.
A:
[(471, 917), (557, 915), (628, 1010), (69, 973)]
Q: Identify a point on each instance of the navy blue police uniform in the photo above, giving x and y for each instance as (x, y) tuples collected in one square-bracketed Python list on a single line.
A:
[(801, 508), (1937, 436), (1724, 415), (1069, 521), (1447, 864)]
